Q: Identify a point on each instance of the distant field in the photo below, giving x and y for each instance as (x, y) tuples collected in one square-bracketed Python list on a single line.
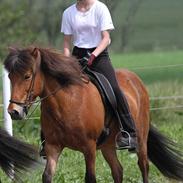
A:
[(157, 25), (159, 82), (154, 66)]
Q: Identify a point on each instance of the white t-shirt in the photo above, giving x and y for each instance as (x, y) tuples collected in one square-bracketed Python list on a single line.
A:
[(86, 27)]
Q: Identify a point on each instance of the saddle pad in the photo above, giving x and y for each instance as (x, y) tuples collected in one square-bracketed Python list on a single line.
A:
[(104, 84)]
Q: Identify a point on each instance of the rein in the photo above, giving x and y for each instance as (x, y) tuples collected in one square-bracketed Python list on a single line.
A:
[(28, 103), (43, 98)]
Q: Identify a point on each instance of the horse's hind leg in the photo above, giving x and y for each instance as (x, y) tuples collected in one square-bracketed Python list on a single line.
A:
[(52, 155), (90, 156), (110, 156), (143, 161), (142, 134)]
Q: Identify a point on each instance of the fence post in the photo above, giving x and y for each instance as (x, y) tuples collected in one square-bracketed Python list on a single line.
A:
[(6, 98)]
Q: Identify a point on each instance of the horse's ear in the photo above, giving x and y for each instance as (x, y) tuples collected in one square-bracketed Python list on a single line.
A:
[(35, 52), (12, 49)]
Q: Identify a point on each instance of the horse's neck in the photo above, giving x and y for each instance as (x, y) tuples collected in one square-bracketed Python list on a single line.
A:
[(57, 95), (51, 86)]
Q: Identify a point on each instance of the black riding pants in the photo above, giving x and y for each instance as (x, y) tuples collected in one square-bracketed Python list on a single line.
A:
[(102, 64)]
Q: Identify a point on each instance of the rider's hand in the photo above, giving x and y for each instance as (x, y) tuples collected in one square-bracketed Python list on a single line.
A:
[(87, 60), (91, 59)]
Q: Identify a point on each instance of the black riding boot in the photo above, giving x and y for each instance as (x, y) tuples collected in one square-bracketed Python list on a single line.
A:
[(126, 138)]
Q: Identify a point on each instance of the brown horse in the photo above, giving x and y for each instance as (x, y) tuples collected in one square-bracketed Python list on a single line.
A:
[(72, 113)]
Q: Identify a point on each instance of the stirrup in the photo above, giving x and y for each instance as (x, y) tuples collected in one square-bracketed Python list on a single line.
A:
[(129, 139)]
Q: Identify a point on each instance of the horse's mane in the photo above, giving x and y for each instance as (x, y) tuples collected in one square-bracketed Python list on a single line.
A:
[(66, 70)]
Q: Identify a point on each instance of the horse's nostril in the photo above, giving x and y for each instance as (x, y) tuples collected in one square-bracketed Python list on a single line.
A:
[(15, 115), (15, 112)]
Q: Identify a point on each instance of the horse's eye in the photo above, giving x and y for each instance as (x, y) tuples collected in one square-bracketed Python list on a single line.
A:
[(27, 76)]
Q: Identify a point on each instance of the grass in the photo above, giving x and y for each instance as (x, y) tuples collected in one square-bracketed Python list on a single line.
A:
[(150, 66), (159, 82)]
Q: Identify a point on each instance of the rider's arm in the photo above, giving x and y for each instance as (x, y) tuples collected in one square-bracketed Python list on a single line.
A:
[(101, 47), (103, 44), (67, 45)]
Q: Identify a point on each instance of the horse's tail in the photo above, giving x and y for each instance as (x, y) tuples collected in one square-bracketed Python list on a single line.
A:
[(165, 155), (16, 156)]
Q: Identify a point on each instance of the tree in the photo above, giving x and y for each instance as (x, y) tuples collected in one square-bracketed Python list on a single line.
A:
[(111, 4), (14, 26), (127, 26)]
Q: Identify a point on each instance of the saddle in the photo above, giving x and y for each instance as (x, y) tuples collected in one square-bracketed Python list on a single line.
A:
[(108, 98)]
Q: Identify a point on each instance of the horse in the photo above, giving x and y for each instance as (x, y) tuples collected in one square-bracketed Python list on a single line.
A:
[(73, 114), (16, 156)]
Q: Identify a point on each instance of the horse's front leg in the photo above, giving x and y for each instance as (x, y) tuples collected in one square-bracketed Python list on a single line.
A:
[(52, 155), (90, 156)]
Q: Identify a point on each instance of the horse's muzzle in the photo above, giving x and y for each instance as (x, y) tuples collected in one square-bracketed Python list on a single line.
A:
[(17, 112), (15, 115)]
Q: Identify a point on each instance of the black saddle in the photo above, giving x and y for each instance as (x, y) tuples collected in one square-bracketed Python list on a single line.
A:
[(108, 97)]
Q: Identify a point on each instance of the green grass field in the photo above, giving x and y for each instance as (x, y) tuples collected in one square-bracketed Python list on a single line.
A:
[(154, 66), (159, 82)]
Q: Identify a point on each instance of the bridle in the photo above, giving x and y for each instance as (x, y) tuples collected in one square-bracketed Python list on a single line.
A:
[(30, 94), (29, 99)]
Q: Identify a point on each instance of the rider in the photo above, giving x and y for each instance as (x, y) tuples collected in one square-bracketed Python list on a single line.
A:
[(87, 24)]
